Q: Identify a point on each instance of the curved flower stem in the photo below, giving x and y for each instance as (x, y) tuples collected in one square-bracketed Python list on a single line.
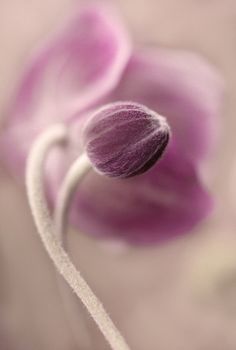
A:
[(46, 230), (76, 173)]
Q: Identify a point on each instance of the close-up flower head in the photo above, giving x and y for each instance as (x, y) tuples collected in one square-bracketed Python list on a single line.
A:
[(114, 142)]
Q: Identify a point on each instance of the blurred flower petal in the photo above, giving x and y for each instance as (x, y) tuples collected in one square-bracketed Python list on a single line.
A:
[(167, 201), (181, 86), (70, 73)]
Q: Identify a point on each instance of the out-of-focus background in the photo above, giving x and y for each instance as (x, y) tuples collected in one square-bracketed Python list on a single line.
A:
[(181, 295)]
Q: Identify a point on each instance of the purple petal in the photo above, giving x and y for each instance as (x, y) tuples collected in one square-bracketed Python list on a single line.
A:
[(73, 70), (125, 139), (180, 86), (163, 203)]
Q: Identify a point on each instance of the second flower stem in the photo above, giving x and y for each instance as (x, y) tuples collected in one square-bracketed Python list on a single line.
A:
[(75, 174)]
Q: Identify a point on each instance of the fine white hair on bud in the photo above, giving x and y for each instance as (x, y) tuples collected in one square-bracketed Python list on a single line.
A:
[(125, 139)]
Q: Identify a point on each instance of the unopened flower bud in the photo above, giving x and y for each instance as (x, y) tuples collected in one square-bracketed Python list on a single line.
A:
[(125, 139)]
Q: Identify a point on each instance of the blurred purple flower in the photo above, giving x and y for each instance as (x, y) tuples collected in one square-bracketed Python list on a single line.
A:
[(90, 63)]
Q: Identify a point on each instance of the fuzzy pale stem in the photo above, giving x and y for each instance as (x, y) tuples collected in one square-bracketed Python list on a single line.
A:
[(46, 230), (75, 174)]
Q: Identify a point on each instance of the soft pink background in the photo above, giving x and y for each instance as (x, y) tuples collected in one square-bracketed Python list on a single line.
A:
[(175, 297)]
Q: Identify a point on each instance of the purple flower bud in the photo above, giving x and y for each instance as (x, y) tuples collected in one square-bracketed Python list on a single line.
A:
[(125, 139)]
